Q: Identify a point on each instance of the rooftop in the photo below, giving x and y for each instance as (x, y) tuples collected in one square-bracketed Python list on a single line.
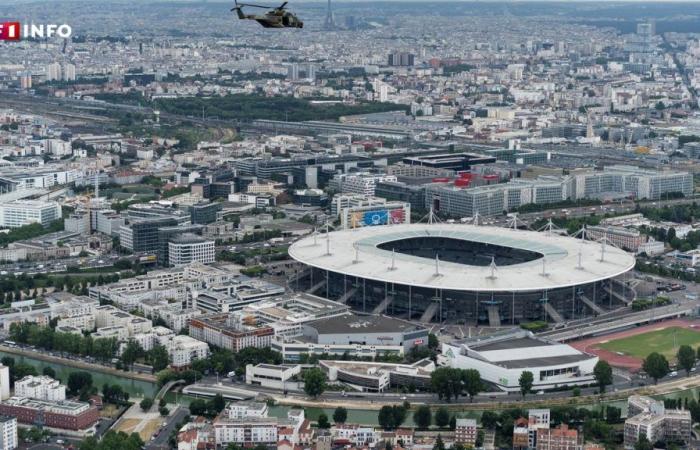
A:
[(357, 253), (351, 323)]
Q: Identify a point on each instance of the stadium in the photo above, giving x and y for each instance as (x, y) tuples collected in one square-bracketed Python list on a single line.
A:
[(464, 272)]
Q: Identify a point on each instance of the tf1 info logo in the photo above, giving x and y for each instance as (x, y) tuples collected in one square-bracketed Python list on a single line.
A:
[(14, 31)]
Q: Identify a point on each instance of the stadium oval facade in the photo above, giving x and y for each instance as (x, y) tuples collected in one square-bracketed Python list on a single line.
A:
[(456, 271)]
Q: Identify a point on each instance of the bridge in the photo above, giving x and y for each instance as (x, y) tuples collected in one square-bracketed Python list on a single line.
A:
[(211, 390), (165, 389), (609, 325)]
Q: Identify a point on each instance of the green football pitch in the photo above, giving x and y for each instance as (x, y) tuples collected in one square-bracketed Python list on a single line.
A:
[(664, 341)]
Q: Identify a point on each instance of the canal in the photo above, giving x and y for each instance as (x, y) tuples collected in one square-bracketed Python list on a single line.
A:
[(137, 388)]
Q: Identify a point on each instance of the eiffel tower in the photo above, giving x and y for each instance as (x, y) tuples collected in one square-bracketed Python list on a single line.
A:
[(330, 21)]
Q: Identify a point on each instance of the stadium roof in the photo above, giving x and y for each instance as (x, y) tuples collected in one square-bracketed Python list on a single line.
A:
[(356, 253)]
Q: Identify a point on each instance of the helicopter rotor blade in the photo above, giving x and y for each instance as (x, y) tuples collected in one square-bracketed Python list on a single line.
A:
[(283, 5), (254, 6)]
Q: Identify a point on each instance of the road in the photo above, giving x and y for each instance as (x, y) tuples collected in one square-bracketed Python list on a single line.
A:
[(160, 442)]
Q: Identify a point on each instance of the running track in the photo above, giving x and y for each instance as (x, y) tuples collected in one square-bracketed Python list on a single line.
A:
[(627, 362)]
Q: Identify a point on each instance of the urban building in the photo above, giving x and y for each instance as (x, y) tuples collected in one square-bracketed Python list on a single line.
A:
[(64, 414), (465, 432), (40, 388), (223, 331), (25, 212), (560, 438), (8, 433), (502, 358), (187, 248)]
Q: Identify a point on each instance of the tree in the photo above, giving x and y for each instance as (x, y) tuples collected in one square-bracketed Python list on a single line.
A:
[(340, 415), (439, 444), (603, 374), (146, 404), (442, 417), (132, 351), (489, 419), (385, 418), (612, 414), (198, 407), (525, 381), (164, 411), (79, 382), (423, 416), (399, 412), (643, 443), (433, 341), (656, 366), (686, 358), (49, 372), (314, 382), (218, 403), (323, 421), (471, 380), (159, 358), (446, 382)]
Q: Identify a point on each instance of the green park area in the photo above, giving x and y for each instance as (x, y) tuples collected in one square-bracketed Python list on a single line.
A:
[(664, 341)]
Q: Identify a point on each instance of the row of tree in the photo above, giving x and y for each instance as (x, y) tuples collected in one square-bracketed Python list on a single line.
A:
[(47, 338)]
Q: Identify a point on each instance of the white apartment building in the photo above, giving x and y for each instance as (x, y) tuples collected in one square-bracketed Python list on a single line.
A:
[(359, 183), (4, 382), (184, 349), (40, 388), (8, 433), (157, 336), (251, 431), (359, 435), (188, 248), (241, 410), (25, 212), (85, 322)]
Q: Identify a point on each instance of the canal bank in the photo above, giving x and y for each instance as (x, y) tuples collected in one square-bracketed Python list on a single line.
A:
[(364, 414), (75, 363)]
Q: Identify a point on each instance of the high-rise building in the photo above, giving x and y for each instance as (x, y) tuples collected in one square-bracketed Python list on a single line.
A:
[(8, 433), (4, 382), (68, 72), (25, 80), (293, 72), (403, 59), (53, 71)]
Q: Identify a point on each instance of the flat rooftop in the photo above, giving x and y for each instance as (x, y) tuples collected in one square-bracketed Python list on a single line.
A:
[(516, 343), (352, 323)]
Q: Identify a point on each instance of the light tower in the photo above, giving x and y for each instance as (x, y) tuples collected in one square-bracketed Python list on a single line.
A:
[(330, 21)]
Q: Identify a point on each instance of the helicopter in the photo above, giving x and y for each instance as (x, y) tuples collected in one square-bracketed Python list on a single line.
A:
[(275, 18)]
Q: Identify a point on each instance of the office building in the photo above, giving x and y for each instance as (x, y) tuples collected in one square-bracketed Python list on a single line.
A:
[(205, 213), (187, 248), (25, 212), (141, 235)]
